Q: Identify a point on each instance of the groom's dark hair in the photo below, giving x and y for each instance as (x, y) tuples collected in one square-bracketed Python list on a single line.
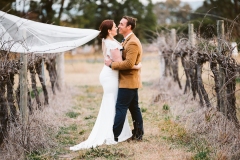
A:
[(130, 21)]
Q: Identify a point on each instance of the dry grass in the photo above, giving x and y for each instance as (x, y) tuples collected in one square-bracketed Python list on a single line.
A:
[(86, 71), (39, 134), (176, 128), (206, 131)]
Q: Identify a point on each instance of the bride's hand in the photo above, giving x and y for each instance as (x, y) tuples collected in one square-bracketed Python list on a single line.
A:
[(138, 66), (116, 55)]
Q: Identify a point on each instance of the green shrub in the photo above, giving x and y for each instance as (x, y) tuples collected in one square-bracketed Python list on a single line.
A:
[(238, 80), (202, 155), (89, 117), (72, 114), (63, 135), (82, 132), (166, 107), (35, 155), (104, 153), (39, 90), (144, 109)]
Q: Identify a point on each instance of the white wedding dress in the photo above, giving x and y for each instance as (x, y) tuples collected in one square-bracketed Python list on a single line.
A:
[(102, 132)]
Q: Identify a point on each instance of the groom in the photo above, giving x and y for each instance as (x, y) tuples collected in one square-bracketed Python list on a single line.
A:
[(129, 80)]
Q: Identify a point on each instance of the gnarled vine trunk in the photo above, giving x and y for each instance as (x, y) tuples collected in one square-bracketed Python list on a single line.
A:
[(38, 68), (3, 108)]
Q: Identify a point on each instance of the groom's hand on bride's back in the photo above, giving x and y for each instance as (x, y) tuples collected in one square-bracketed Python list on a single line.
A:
[(108, 61)]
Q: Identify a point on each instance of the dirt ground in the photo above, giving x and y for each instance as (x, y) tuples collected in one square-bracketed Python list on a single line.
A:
[(171, 118), (81, 73), (168, 115)]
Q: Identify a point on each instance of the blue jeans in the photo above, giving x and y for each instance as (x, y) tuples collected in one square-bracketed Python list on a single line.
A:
[(127, 99)]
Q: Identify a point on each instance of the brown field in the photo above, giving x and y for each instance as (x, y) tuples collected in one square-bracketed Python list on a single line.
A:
[(82, 72), (176, 127), (164, 138)]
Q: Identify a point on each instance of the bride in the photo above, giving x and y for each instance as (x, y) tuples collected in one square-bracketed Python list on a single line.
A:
[(102, 132)]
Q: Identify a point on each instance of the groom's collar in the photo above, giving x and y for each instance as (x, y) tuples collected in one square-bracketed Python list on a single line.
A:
[(128, 35)]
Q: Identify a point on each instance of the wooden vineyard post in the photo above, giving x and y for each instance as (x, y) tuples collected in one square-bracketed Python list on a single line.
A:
[(191, 35), (173, 38), (161, 57), (220, 37), (23, 88), (162, 66), (175, 58), (60, 69), (43, 72)]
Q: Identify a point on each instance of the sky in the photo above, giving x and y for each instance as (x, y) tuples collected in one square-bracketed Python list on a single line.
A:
[(180, 0), (193, 3)]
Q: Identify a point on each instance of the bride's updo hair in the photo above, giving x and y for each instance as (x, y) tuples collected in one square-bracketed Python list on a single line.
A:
[(104, 27)]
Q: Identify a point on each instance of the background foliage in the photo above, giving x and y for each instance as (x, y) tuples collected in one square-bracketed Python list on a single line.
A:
[(151, 17)]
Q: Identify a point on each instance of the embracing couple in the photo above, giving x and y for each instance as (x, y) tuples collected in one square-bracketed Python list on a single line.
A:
[(120, 79)]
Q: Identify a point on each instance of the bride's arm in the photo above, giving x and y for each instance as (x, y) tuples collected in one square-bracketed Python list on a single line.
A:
[(116, 55), (138, 66)]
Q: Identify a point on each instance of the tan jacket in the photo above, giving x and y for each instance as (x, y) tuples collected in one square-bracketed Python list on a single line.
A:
[(132, 54)]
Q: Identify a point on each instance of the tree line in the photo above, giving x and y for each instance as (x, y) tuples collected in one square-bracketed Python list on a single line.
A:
[(203, 17), (152, 17), (84, 13)]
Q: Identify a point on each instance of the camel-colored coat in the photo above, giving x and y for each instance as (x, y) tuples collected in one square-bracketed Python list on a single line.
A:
[(132, 54)]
